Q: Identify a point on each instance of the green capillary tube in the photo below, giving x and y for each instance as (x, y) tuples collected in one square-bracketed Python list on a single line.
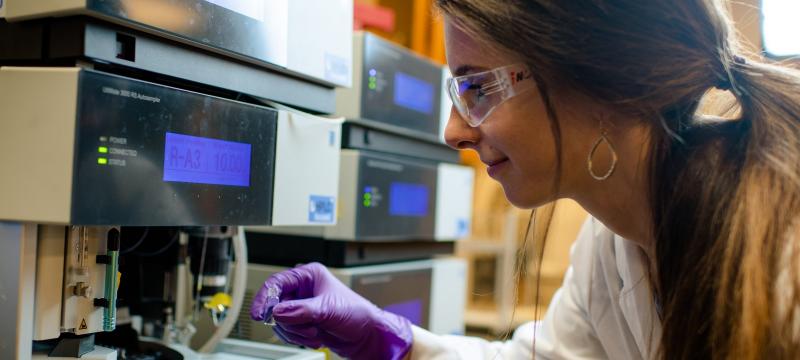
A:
[(110, 314)]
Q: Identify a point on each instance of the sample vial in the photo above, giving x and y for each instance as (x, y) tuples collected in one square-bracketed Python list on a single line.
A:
[(273, 298)]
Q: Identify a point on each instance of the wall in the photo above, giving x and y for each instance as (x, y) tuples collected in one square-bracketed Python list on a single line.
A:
[(746, 15)]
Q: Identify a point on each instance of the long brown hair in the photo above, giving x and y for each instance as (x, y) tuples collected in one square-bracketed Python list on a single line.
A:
[(725, 194)]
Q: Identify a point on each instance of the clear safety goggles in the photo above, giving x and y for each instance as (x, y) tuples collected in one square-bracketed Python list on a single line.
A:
[(475, 96)]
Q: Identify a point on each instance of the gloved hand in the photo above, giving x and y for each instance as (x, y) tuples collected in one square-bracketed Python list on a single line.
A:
[(317, 310)]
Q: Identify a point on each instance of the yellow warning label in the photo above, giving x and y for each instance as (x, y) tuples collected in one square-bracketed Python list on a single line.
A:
[(83, 325)]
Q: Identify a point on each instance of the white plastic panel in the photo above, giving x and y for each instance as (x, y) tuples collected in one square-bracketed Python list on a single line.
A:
[(346, 211), (448, 296), (781, 27), (276, 18), (454, 193), (307, 160), (17, 291), (321, 39), (49, 282), (39, 106), (348, 100), (447, 105)]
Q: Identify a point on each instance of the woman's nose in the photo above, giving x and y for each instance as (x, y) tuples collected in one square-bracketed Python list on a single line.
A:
[(458, 134)]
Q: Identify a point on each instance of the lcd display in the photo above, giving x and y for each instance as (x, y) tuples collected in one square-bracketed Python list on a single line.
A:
[(413, 93), (408, 200), (411, 310), (198, 160)]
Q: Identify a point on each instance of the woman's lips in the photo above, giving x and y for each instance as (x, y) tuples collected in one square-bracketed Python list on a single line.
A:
[(496, 166)]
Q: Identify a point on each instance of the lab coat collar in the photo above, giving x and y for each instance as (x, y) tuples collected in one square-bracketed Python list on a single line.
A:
[(636, 299)]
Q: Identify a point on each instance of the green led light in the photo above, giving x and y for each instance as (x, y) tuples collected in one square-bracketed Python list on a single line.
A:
[(372, 86), (367, 203), (102, 161), (367, 196), (102, 150)]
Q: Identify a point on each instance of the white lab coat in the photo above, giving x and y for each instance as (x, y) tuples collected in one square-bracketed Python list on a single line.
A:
[(604, 310)]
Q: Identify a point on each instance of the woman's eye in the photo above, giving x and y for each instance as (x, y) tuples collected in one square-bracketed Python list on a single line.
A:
[(477, 89)]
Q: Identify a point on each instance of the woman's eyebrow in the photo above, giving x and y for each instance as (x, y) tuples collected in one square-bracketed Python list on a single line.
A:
[(466, 69)]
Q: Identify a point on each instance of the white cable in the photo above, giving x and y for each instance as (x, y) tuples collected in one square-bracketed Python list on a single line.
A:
[(240, 281)]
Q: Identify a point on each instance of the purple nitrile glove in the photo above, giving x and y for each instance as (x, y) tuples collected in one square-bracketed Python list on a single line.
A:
[(317, 310)]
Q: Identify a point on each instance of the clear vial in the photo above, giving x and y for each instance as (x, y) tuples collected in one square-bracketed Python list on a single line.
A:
[(273, 298)]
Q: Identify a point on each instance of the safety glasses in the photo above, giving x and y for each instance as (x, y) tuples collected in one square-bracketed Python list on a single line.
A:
[(475, 96)]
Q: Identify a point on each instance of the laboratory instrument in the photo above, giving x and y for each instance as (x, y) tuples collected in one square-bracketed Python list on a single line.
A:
[(137, 137), (89, 154), (265, 33), (392, 208), (393, 90), (135, 152), (429, 293), (294, 52)]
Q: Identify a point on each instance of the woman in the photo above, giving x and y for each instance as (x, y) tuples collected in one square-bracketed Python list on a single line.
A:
[(692, 249)]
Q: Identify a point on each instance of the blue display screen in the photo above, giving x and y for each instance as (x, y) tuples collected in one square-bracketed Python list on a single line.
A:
[(413, 93), (198, 160), (411, 310), (408, 200)]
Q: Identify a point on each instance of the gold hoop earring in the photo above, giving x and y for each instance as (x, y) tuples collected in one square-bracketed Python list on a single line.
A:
[(601, 139)]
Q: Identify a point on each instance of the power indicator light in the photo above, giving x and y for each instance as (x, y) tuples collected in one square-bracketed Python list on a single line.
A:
[(102, 150), (373, 72), (102, 161), (373, 81)]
